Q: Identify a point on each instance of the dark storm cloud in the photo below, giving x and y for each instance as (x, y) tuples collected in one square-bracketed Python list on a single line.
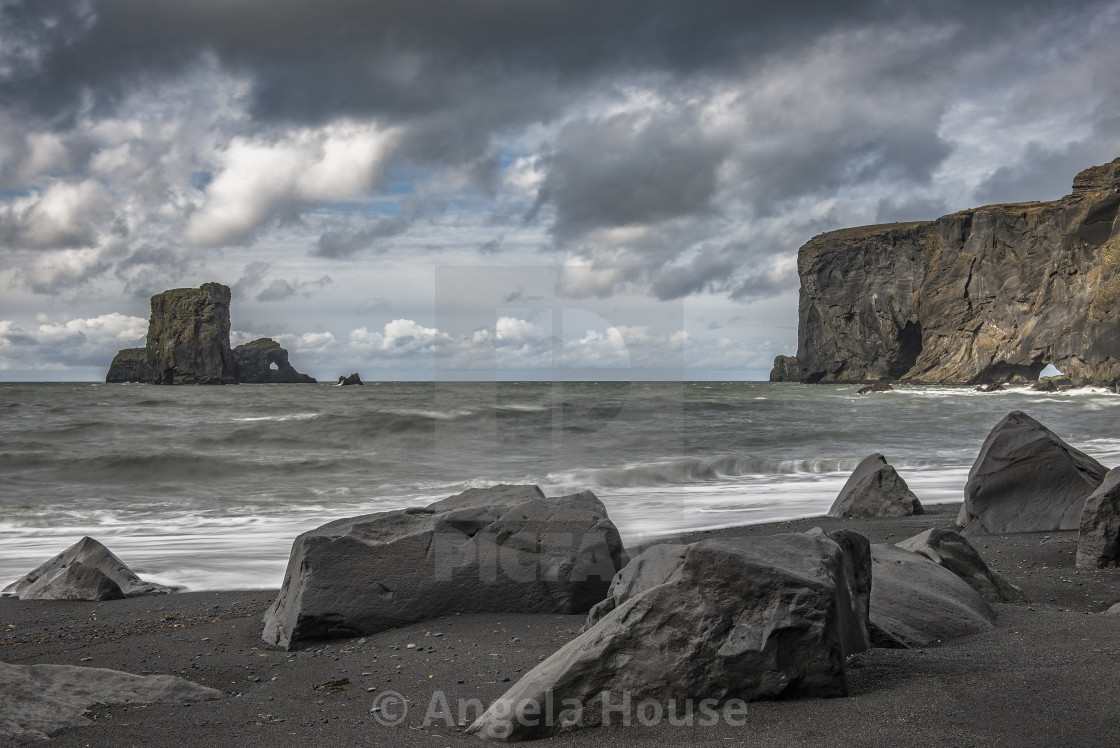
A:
[(336, 243), (282, 290), (414, 59), (1042, 174), (625, 171), (711, 269)]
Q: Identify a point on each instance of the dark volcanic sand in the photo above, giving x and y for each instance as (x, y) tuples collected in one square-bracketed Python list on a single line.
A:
[(1046, 675)]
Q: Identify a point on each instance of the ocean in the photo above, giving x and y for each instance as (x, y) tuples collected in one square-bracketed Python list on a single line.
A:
[(206, 487)]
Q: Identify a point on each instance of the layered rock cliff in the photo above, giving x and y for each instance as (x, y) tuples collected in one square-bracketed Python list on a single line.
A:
[(188, 343), (992, 294), (264, 361)]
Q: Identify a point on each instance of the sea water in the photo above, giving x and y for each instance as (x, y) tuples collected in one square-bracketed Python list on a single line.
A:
[(206, 487)]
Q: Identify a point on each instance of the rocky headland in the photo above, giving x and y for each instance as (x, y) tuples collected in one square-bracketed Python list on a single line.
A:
[(188, 343), (980, 296)]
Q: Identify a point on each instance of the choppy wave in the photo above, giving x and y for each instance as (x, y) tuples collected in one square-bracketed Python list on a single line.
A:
[(208, 486), (683, 471)]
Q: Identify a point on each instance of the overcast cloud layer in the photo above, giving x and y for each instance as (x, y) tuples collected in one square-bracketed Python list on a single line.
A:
[(340, 163)]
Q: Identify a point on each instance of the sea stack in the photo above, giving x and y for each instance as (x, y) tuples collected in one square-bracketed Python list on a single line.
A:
[(188, 343), (264, 361)]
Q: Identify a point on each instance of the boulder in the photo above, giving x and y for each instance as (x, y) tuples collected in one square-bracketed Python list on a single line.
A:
[(129, 365), (86, 570), (39, 700), (874, 489), (785, 369), (1052, 384), (1026, 479), (495, 550), (264, 361), (993, 387), (877, 387), (655, 565), (352, 379), (915, 602), (742, 618), (950, 549), (1098, 542)]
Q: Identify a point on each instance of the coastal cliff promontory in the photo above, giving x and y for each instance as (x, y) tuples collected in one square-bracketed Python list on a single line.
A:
[(991, 294), (188, 343)]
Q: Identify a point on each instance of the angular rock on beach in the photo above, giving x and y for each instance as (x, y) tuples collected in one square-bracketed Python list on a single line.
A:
[(1026, 479), (950, 549), (86, 570), (39, 700), (492, 550), (915, 602), (1098, 542), (875, 489), (744, 618), (655, 565)]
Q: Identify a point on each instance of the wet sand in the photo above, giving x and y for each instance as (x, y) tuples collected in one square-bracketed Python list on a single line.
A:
[(1044, 676)]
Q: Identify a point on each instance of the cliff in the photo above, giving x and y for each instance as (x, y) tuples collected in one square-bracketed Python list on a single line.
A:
[(785, 369), (992, 294), (129, 365), (188, 343), (264, 361)]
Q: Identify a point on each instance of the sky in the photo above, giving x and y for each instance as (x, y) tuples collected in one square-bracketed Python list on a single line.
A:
[(511, 189)]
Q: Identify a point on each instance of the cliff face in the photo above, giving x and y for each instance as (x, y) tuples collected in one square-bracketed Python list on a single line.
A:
[(785, 369), (985, 295), (255, 364), (188, 337), (129, 365)]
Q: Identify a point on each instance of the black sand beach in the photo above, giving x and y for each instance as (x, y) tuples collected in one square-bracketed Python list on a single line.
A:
[(1044, 676)]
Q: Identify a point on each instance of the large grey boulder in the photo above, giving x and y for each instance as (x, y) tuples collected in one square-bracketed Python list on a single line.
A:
[(952, 550), (874, 489), (1026, 479), (742, 618), (1098, 542), (86, 570), (494, 550), (915, 602), (39, 700), (655, 565)]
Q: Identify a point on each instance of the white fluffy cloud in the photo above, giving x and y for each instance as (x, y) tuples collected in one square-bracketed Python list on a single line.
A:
[(258, 177), (58, 345)]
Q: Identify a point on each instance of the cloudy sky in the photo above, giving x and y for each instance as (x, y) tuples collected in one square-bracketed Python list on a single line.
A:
[(511, 188)]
